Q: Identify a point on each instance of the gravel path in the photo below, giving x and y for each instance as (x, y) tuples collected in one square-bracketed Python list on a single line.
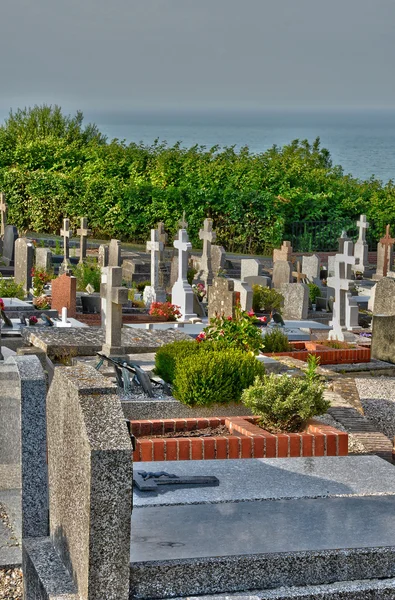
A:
[(11, 585), (354, 447), (377, 395)]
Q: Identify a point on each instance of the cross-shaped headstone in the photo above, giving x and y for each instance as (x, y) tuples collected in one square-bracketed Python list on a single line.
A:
[(183, 245), (155, 247), (83, 232), (387, 241), (300, 277), (163, 238), (3, 209), (182, 294), (341, 284), (208, 236), (115, 295), (183, 224), (363, 226), (66, 233)]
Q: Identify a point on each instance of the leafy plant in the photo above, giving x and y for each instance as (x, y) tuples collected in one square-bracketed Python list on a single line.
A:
[(276, 341), (86, 273), (40, 278), (10, 289), (166, 310), (143, 284), (191, 275), (314, 292), (313, 362), (42, 302), (131, 297), (167, 356), (214, 377), (58, 248), (266, 299), (285, 403), (239, 332)]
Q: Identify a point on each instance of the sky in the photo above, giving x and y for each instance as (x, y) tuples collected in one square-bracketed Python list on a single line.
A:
[(122, 55)]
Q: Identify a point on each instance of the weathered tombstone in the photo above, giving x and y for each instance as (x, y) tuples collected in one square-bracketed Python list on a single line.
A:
[(43, 259), (114, 253), (223, 298), (217, 259), (174, 270), (311, 268), (83, 232), (383, 338), (3, 210), (341, 284), (361, 247), (296, 301), (24, 261), (384, 297), (153, 292), (385, 255), (285, 252), (250, 267), (87, 555), (261, 280), (246, 294), (341, 241), (331, 265), (115, 296), (208, 236), (64, 294), (102, 259), (182, 293), (10, 237), (182, 224), (282, 273), (65, 233), (164, 275)]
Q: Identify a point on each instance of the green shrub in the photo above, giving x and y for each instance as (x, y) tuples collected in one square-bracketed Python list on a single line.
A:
[(58, 248), (239, 332), (285, 403), (191, 275), (314, 292), (143, 284), (266, 299), (219, 377), (168, 355), (276, 341), (87, 273), (10, 289)]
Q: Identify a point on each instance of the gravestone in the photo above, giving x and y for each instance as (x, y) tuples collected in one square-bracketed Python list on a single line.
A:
[(164, 275), (246, 294), (361, 247), (384, 297), (153, 292), (182, 294), (208, 236), (261, 280), (385, 255), (300, 277), (102, 258), (24, 262), (311, 268), (341, 241), (345, 310), (285, 252), (217, 259), (296, 301), (114, 253), (44, 259), (282, 273), (223, 298), (383, 338), (250, 267), (83, 232), (174, 270), (3, 210), (10, 237), (64, 294), (136, 270), (65, 233), (331, 265), (182, 223), (115, 296)]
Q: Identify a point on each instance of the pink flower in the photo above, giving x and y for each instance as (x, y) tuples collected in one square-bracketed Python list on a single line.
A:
[(251, 313), (263, 319), (229, 318)]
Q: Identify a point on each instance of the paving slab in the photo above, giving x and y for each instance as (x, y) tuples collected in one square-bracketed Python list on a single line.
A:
[(277, 478)]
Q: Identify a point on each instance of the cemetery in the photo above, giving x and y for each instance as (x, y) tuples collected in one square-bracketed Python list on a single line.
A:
[(152, 397)]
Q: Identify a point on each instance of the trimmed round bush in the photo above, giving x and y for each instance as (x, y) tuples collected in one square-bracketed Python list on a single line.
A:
[(219, 376), (285, 403)]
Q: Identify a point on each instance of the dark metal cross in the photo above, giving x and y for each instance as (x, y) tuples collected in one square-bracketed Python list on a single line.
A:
[(149, 482), (387, 241)]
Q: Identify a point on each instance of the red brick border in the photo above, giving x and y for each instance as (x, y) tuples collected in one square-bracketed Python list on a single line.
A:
[(247, 440), (328, 356)]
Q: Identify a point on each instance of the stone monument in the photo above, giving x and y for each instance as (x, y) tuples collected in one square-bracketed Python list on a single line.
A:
[(83, 232), (115, 296), (24, 262), (114, 253), (223, 298), (296, 301), (361, 247), (385, 255), (10, 237), (208, 236), (345, 310), (182, 293), (154, 292), (65, 233)]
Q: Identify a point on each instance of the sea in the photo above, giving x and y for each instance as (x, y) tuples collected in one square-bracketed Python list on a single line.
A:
[(361, 141)]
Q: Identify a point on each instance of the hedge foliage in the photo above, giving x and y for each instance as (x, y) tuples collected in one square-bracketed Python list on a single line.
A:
[(51, 166)]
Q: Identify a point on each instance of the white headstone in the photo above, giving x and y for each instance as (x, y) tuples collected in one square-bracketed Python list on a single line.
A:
[(361, 247), (182, 293), (250, 267), (153, 292), (246, 294), (208, 236), (65, 233), (343, 319)]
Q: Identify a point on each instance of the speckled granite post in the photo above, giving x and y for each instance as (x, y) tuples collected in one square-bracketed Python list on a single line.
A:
[(90, 482)]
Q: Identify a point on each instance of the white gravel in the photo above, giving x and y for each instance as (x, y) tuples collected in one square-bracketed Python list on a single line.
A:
[(377, 395)]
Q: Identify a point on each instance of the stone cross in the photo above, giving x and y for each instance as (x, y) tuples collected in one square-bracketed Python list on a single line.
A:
[(285, 252), (83, 232), (156, 248), (387, 241), (341, 284), (182, 294), (183, 224), (208, 236), (163, 270), (363, 226), (65, 233), (115, 295), (361, 247), (3, 210), (300, 277)]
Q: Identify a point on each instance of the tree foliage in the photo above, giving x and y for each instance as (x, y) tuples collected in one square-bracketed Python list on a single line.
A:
[(51, 166)]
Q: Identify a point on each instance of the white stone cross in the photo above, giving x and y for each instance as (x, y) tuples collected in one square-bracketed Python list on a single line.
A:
[(65, 233), (3, 209), (182, 294), (363, 226), (341, 284), (208, 236), (115, 295), (155, 247), (183, 245), (83, 232)]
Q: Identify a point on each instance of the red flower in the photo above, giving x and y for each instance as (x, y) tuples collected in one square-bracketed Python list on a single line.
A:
[(229, 318), (1, 304), (263, 319), (251, 313)]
